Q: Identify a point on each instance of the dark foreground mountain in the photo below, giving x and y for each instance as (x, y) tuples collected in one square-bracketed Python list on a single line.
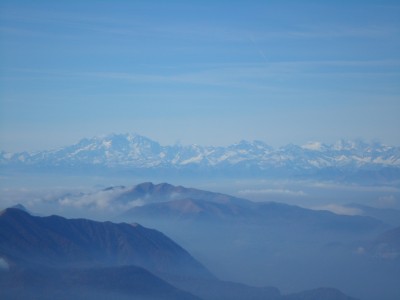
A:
[(95, 283), (56, 241), (57, 258)]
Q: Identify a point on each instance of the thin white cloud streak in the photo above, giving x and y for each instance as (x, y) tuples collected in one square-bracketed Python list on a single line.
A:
[(253, 76), (7, 30), (355, 188), (122, 26), (100, 201), (72, 26), (202, 34), (57, 17), (76, 200), (31, 198), (328, 32), (261, 192), (339, 209)]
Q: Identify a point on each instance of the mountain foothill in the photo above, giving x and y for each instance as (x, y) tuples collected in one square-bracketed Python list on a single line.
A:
[(204, 245)]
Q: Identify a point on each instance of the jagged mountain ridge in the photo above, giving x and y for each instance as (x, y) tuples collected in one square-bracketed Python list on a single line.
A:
[(135, 151)]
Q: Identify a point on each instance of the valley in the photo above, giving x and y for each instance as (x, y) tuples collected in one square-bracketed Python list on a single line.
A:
[(239, 247)]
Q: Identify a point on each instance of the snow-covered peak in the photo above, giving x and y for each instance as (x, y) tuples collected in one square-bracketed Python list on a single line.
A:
[(348, 145), (314, 146), (136, 151)]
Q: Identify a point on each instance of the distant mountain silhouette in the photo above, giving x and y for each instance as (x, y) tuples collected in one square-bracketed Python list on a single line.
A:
[(387, 245), (162, 192), (264, 242), (165, 201), (391, 237), (321, 293), (218, 290), (388, 215)]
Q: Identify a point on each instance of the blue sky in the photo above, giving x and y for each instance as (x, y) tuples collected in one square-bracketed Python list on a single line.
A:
[(205, 72)]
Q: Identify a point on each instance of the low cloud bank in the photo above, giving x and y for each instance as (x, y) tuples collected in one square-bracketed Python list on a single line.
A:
[(260, 192), (339, 209), (4, 266)]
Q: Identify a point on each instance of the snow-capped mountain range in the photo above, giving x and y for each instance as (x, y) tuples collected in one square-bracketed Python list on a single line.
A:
[(134, 151)]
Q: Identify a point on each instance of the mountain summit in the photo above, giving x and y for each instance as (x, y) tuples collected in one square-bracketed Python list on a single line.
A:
[(134, 152)]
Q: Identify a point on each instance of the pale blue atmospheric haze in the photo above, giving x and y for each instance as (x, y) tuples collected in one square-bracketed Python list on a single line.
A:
[(205, 72)]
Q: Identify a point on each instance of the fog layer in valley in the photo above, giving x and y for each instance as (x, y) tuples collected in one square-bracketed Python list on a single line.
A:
[(259, 242)]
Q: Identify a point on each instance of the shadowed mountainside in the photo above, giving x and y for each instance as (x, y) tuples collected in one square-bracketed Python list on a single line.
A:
[(101, 283), (55, 240), (53, 257)]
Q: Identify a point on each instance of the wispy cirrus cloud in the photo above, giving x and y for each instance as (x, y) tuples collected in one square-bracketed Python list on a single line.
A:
[(267, 192)]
